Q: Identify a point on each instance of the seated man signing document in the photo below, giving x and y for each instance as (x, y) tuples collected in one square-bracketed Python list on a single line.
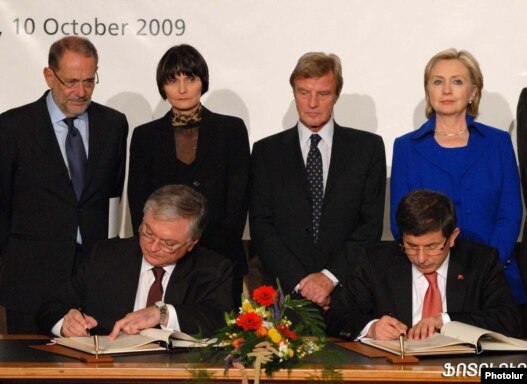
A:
[(161, 278), (429, 277)]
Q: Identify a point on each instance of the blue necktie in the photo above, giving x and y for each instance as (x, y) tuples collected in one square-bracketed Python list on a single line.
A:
[(316, 183), (76, 155)]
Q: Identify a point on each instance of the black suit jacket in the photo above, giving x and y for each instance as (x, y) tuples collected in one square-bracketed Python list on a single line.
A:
[(39, 213), (220, 172), (522, 159), (280, 209), (477, 292), (105, 288)]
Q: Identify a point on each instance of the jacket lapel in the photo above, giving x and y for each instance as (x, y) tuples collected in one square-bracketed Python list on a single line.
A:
[(45, 136), (455, 283), (206, 139), (341, 151), (97, 129), (400, 277), (292, 159), (178, 284), (427, 147)]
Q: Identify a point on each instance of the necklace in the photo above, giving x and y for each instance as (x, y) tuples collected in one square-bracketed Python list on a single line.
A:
[(448, 134)]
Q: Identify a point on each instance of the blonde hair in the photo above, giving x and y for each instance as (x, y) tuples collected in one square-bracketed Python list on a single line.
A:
[(316, 64), (474, 71)]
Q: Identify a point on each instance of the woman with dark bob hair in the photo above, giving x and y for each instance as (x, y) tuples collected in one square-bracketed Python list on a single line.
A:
[(470, 162), (193, 146)]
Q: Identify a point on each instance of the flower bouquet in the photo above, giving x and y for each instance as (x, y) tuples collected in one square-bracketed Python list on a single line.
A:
[(261, 335)]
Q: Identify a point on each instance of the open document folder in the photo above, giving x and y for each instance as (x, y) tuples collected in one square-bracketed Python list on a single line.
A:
[(455, 338), (151, 339)]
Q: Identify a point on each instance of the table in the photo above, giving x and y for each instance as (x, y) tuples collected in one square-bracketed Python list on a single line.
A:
[(21, 364)]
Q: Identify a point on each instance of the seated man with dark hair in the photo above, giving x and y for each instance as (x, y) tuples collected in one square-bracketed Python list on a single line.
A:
[(427, 279), (161, 278)]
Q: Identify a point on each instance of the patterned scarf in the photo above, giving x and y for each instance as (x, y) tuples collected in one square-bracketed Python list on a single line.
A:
[(190, 121)]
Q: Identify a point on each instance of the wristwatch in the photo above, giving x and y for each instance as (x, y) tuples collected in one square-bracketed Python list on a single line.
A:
[(163, 312)]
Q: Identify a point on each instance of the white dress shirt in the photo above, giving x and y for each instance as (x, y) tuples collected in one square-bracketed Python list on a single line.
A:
[(146, 278), (324, 146), (419, 287)]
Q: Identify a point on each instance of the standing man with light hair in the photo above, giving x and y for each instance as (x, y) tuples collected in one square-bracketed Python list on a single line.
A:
[(62, 158), (317, 188)]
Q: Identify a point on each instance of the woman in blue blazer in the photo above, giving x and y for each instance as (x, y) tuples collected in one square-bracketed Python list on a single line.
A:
[(472, 163)]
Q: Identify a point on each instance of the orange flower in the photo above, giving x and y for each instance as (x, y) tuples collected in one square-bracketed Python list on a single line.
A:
[(264, 295), (249, 321), (237, 343), (261, 332)]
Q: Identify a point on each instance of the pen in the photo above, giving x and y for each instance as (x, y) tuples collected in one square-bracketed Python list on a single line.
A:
[(401, 344), (96, 345), (87, 329)]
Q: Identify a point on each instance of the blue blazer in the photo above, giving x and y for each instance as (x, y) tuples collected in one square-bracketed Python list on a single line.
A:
[(485, 189)]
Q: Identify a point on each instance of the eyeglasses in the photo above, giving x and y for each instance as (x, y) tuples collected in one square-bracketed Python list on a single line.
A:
[(86, 83), (429, 250), (150, 238)]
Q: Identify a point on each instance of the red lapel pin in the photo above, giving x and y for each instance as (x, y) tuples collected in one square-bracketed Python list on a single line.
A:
[(460, 276)]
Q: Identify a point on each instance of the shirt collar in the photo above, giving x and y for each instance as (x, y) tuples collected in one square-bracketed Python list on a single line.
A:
[(427, 129), (145, 266), (56, 114), (441, 271), (326, 133)]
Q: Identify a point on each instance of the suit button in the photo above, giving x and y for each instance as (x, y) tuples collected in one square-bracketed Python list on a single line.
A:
[(195, 183)]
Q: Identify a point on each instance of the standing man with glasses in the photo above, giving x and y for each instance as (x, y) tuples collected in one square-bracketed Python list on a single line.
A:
[(428, 278), (317, 192), (162, 278), (62, 158)]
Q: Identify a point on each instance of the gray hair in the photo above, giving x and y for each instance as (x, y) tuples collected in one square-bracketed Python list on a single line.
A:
[(173, 202)]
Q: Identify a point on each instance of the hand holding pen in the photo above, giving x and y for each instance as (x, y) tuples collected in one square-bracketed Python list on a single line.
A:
[(387, 328), (77, 323)]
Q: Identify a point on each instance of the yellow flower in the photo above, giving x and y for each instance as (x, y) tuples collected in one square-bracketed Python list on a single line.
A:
[(247, 306), (291, 353), (275, 336)]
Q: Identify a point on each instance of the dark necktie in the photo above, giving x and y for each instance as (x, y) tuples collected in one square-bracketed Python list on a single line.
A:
[(76, 155), (316, 183), (432, 304), (156, 289)]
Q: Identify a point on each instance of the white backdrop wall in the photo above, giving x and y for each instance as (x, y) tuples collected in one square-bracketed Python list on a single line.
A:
[(251, 47)]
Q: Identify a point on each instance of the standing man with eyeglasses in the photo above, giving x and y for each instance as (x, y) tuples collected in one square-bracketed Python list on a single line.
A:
[(62, 158), (428, 278), (162, 278)]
